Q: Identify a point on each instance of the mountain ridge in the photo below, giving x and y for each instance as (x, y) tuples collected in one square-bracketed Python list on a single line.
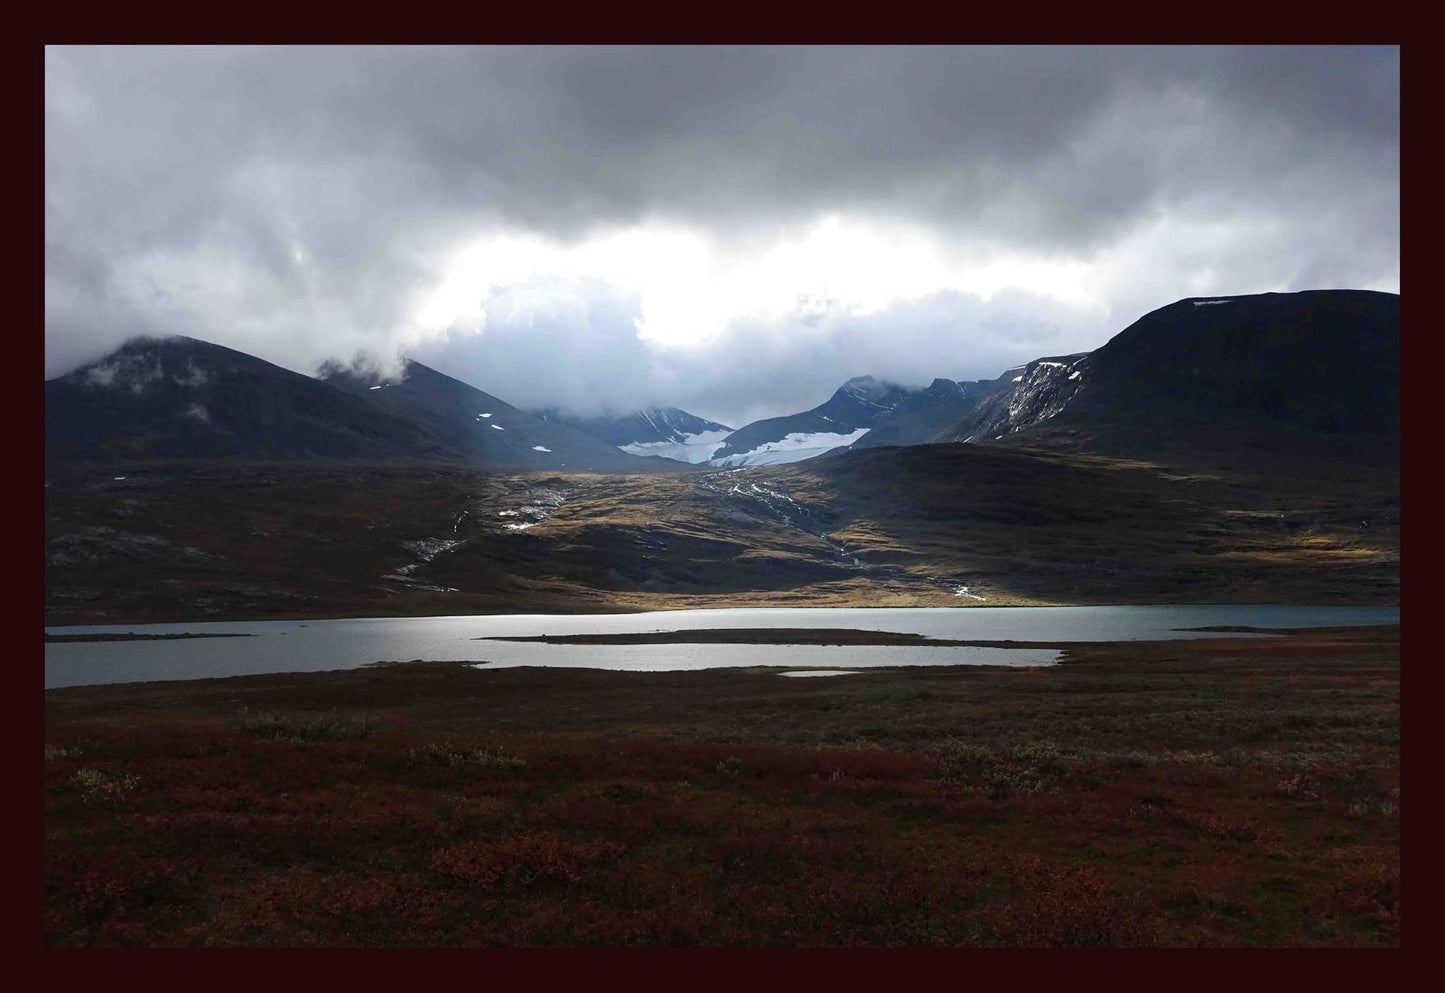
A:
[(1313, 365), (181, 397), (485, 429), (837, 422)]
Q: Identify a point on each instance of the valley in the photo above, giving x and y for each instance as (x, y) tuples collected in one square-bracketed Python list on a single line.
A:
[(880, 527), (1246, 451), (740, 496)]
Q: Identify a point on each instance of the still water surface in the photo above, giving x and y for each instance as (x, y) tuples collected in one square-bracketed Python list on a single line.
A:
[(306, 646)]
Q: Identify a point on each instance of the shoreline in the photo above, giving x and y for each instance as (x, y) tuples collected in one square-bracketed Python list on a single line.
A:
[(134, 636), (275, 618), (774, 636), (1071, 654)]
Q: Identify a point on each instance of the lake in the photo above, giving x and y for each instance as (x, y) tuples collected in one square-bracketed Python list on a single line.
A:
[(307, 646)]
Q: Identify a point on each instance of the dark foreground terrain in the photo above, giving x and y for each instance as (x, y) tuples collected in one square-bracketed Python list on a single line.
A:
[(1214, 792)]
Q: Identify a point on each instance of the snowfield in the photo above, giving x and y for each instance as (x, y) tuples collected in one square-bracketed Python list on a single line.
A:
[(792, 448), (694, 448)]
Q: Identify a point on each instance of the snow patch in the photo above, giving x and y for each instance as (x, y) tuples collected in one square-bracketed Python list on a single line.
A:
[(539, 448), (694, 448), (498, 427), (427, 549), (791, 448), (542, 504), (1210, 303)]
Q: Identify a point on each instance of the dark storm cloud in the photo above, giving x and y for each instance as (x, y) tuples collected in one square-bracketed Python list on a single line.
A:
[(294, 202)]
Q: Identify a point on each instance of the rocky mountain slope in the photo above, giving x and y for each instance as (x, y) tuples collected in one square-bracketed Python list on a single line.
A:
[(918, 417)]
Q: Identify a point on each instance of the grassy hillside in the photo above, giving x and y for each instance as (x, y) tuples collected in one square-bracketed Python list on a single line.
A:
[(883, 527)]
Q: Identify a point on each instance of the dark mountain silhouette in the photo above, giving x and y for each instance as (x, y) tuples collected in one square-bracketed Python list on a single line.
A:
[(918, 417), (177, 397), (655, 424), (1316, 366), (486, 430)]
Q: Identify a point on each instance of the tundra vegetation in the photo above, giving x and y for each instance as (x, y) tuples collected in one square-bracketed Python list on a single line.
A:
[(884, 527), (1238, 792)]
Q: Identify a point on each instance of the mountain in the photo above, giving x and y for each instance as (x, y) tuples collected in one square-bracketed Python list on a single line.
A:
[(1023, 396), (1312, 368), (1240, 449), (487, 431), (846, 417), (177, 397), (666, 432), (920, 416)]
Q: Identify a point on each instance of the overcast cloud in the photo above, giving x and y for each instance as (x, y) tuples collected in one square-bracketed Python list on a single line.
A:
[(730, 231)]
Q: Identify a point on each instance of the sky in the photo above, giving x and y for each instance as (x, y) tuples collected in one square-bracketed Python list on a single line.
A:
[(733, 231)]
